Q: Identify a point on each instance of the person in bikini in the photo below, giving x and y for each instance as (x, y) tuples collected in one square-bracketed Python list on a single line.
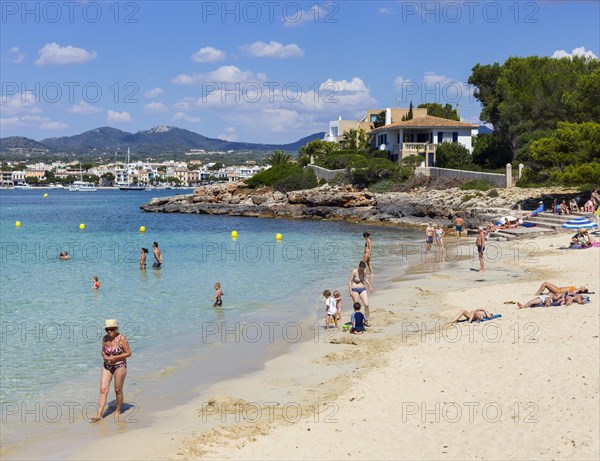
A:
[(558, 290), (367, 255), (439, 237), (472, 316), (358, 284), (115, 350)]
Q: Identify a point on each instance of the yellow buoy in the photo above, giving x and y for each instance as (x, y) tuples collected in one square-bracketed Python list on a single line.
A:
[(278, 237), (142, 228), (233, 234), (46, 195), (18, 224), (82, 226)]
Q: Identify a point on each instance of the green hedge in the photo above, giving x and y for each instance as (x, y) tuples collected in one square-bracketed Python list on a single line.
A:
[(476, 184), (271, 175)]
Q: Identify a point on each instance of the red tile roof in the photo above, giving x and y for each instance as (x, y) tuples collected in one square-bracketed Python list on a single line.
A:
[(427, 121)]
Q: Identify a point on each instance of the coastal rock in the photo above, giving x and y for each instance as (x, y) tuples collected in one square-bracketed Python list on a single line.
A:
[(346, 203)]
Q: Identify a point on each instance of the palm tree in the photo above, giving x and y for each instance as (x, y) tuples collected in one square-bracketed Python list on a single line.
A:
[(356, 139), (279, 158)]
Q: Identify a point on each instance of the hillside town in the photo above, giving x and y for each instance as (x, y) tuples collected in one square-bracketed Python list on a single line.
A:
[(169, 173)]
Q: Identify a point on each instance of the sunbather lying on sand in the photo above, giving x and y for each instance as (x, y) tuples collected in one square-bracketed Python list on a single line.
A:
[(547, 300), (472, 316), (551, 299), (557, 290)]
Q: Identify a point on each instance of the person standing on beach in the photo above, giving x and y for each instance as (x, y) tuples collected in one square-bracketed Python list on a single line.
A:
[(115, 350), (157, 256), (429, 233), (367, 255), (480, 242), (439, 237), (330, 310), (358, 284), (458, 225), (338, 304)]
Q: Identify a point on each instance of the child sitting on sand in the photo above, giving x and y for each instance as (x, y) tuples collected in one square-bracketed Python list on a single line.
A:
[(330, 310), (358, 321)]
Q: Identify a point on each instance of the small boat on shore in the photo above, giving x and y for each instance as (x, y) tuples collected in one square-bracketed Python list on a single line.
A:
[(81, 185), (23, 185)]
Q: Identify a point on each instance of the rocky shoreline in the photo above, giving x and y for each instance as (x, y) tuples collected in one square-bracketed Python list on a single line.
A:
[(347, 203)]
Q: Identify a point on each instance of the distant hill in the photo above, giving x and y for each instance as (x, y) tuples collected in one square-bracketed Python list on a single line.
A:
[(484, 130), (156, 141), (20, 142)]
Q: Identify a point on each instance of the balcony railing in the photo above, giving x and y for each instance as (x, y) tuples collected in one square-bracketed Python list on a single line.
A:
[(412, 148)]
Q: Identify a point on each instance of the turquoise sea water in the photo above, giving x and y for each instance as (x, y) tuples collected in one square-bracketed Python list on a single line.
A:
[(52, 321)]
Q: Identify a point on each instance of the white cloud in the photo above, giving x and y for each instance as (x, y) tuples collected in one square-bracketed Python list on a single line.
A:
[(356, 84), (316, 14), (400, 82), (384, 11), (209, 54), (272, 50), (118, 117), (155, 107), (154, 93), (186, 118), (16, 55), (52, 54), (579, 52), (83, 108), (224, 74), (22, 103), (229, 135), (54, 125), (32, 121)]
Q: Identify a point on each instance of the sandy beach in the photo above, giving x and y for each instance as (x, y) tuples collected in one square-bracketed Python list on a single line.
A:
[(523, 386)]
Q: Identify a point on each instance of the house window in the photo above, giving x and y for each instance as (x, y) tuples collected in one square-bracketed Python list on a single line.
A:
[(444, 136), (455, 136), (373, 118), (398, 140)]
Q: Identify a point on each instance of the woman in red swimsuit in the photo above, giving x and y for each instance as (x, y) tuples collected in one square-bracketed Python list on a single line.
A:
[(115, 350)]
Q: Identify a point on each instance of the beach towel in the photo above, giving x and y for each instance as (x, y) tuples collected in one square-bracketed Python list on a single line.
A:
[(528, 224), (539, 209), (495, 316)]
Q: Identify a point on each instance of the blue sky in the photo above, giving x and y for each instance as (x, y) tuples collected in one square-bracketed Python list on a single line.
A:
[(271, 71)]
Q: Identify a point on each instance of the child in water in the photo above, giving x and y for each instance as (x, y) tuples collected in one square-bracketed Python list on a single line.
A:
[(96, 283), (217, 296)]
